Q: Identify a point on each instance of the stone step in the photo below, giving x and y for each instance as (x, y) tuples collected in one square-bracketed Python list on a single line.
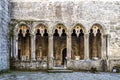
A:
[(59, 68), (60, 71)]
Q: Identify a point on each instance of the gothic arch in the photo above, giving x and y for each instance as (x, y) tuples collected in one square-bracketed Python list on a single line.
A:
[(19, 25), (37, 25), (23, 43), (77, 41), (59, 41), (79, 26), (41, 42), (41, 27), (98, 26), (101, 25), (95, 41), (60, 27)]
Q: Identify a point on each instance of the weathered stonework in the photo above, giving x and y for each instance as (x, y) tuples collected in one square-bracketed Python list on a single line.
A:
[(4, 34), (70, 13)]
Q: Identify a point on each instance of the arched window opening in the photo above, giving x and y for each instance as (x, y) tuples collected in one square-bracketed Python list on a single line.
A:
[(27, 44), (74, 43), (77, 40), (24, 44), (95, 41), (41, 43), (91, 40), (38, 45), (98, 41), (81, 42), (63, 36), (59, 43), (20, 46), (45, 41)]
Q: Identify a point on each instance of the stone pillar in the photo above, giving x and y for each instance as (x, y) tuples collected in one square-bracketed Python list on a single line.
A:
[(50, 54), (11, 47), (103, 47), (33, 47), (16, 47), (108, 51), (107, 45), (86, 46), (69, 47)]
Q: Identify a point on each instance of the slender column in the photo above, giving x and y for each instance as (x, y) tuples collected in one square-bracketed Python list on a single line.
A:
[(12, 47), (50, 54), (33, 47), (86, 46), (103, 47), (107, 45), (69, 47), (16, 47), (108, 51)]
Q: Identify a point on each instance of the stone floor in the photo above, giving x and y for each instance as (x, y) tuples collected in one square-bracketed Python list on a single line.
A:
[(59, 76)]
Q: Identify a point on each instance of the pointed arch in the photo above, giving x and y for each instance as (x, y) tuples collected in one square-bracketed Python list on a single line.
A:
[(97, 26), (95, 41), (59, 41), (79, 26), (77, 40), (23, 33), (20, 25), (41, 42), (59, 27)]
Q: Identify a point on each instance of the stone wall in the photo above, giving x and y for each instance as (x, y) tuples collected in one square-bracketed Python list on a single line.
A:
[(72, 12), (28, 65), (4, 37), (85, 65)]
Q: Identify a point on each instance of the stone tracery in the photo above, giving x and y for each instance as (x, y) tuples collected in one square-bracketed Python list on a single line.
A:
[(41, 44)]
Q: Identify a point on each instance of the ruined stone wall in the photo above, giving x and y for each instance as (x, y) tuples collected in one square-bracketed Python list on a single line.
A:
[(4, 37), (72, 12)]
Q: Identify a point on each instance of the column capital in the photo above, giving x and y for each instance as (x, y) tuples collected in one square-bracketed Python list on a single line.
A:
[(86, 36), (50, 35), (68, 36)]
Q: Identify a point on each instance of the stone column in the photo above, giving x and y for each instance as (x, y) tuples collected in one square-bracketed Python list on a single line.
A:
[(69, 47), (33, 47), (16, 47), (86, 46), (107, 45), (108, 51), (12, 47), (50, 53), (103, 47)]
